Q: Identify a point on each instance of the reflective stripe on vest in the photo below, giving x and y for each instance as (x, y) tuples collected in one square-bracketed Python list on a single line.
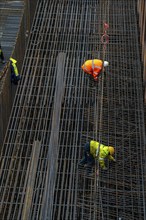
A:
[(101, 158), (15, 69), (86, 68), (94, 66)]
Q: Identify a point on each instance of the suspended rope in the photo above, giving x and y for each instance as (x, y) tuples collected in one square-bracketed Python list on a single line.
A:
[(105, 39), (104, 42)]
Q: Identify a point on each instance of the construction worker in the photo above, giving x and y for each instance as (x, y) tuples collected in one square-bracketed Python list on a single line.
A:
[(2, 55), (94, 67), (94, 150), (15, 77)]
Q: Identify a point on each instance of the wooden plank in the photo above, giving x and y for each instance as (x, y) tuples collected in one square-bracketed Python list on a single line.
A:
[(31, 180), (53, 144)]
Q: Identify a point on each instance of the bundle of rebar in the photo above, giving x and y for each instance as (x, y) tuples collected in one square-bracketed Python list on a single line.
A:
[(57, 109)]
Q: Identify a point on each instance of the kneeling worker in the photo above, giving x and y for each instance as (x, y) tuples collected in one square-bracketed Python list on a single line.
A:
[(94, 150), (94, 67)]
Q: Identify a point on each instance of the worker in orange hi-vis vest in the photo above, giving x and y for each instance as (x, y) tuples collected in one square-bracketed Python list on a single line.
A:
[(94, 67)]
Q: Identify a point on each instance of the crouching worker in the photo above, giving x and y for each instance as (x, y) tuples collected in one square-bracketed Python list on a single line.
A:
[(94, 67), (94, 150), (15, 77)]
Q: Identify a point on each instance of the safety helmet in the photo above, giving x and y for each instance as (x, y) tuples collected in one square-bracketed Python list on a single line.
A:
[(105, 63), (111, 150)]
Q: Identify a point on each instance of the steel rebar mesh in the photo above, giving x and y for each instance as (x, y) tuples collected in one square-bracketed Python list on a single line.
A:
[(72, 27)]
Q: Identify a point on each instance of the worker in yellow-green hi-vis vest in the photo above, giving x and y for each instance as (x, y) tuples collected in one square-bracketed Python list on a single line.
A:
[(15, 77), (93, 150)]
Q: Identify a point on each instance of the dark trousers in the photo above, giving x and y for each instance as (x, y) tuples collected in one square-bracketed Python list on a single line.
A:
[(2, 56), (14, 78), (88, 158)]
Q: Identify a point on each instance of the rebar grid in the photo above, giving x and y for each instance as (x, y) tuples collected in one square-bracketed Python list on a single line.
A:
[(75, 28)]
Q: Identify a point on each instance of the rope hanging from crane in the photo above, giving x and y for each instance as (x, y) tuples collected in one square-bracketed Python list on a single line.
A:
[(104, 41), (105, 38)]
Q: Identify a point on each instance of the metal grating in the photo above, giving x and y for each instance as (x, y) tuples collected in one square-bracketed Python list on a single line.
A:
[(40, 178)]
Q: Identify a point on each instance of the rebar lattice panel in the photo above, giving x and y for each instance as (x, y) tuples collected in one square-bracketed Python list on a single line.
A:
[(47, 133)]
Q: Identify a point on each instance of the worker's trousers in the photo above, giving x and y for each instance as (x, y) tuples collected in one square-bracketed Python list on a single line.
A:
[(1, 56), (14, 78), (88, 158)]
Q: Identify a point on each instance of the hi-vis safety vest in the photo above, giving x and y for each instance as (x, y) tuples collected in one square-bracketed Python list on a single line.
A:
[(92, 66), (100, 152), (14, 66), (95, 147)]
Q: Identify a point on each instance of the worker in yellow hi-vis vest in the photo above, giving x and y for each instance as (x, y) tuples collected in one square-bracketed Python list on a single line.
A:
[(94, 67), (15, 77), (94, 150)]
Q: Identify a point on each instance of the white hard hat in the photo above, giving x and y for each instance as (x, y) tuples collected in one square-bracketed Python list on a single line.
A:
[(105, 63)]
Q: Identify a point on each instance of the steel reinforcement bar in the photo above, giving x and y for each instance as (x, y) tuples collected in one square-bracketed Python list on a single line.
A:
[(46, 133)]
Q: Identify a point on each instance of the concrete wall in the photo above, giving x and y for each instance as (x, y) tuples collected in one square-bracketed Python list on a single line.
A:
[(7, 90)]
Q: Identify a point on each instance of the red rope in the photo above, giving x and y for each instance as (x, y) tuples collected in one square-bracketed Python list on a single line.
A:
[(105, 37)]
